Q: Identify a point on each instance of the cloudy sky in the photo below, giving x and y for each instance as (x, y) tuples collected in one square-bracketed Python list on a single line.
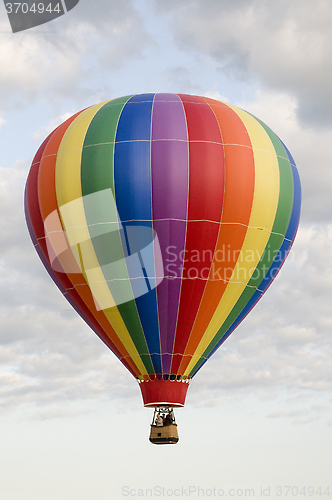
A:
[(259, 414)]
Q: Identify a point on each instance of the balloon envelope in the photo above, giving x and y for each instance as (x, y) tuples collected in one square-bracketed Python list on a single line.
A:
[(163, 218)]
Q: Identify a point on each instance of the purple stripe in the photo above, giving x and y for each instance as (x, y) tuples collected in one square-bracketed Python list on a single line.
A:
[(169, 166)]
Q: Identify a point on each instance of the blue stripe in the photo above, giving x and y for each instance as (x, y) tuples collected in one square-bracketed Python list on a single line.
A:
[(132, 181), (277, 263), (135, 119), (295, 217)]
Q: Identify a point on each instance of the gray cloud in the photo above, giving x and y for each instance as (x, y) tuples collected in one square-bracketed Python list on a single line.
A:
[(282, 45), (308, 415), (310, 149)]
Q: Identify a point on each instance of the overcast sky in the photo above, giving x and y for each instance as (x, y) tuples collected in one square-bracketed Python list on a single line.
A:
[(258, 415)]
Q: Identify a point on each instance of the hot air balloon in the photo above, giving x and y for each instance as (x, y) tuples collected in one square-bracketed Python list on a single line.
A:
[(163, 219)]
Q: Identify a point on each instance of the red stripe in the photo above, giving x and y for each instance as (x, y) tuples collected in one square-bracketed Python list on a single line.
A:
[(32, 192), (206, 188)]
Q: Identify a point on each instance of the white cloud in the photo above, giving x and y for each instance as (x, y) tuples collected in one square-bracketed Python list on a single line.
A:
[(31, 66), (66, 59), (214, 94), (41, 134)]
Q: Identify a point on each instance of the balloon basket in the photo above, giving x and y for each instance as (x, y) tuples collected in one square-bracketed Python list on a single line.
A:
[(163, 428)]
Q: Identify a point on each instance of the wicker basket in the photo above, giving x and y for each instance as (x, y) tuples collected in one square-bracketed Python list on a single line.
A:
[(167, 434)]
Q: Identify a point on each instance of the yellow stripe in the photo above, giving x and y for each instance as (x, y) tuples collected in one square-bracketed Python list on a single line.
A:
[(264, 207), (68, 164), (70, 202)]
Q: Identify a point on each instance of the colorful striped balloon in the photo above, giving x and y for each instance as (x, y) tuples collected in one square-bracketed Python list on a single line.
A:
[(163, 219)]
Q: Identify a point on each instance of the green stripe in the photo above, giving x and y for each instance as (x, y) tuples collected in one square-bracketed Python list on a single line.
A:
[(97, 176), (286, 194), (98, 148), (280, 226)]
